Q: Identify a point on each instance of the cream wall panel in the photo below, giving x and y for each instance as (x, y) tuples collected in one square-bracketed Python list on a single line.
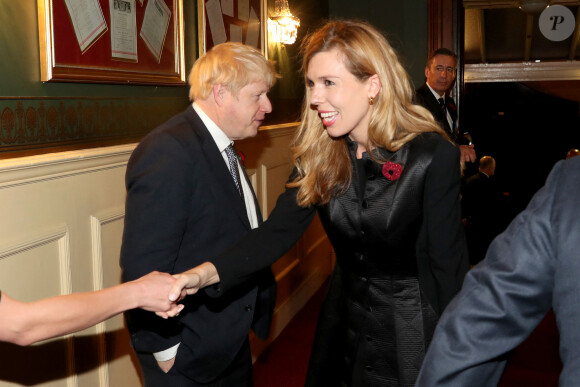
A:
[(47, 248), (116, 366), (43, 260), (274, 175)]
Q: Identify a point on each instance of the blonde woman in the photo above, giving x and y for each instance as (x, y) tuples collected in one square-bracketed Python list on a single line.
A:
[(385, 181)]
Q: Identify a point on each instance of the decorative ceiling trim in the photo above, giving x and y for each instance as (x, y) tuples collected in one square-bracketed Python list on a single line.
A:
[(522, 72)]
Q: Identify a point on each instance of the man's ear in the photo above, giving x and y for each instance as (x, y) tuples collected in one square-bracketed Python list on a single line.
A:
[(426, 72), (218, 91)]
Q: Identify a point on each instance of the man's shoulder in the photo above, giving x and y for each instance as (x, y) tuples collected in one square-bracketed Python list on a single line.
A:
[(564, 181), (423, 92), (423, 89), (181, 133), (424, 97), (474, 178), (180, 126)]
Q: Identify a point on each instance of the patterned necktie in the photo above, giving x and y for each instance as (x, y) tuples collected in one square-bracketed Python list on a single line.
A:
[(234, 170), (442, 104), (449, 120)]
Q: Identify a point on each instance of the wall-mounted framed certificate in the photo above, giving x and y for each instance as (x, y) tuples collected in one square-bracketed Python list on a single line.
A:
[(111, 41)]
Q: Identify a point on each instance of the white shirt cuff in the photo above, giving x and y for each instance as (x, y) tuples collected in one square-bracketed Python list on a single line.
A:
[(167, 354)]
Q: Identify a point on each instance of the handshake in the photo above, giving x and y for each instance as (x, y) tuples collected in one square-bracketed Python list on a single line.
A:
[(26, 323), (188, 283)]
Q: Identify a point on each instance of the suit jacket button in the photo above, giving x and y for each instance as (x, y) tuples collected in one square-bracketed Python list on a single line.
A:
[(248, 308)]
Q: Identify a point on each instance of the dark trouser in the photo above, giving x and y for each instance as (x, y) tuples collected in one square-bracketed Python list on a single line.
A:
[(239, 373)]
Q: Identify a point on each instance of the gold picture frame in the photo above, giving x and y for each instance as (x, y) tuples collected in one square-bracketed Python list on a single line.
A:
[(210, 18), (63, 59)]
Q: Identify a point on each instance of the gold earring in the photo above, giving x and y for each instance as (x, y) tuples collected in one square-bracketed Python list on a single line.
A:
[(371, 100)]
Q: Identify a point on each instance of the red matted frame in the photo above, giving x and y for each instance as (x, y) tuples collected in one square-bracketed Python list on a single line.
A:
[(204, 34), (62, 61)]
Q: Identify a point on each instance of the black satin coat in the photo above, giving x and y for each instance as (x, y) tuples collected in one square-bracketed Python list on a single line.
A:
[(401, 257)]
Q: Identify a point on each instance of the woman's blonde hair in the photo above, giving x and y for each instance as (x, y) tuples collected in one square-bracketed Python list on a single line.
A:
[(323, 163), (233, 65)]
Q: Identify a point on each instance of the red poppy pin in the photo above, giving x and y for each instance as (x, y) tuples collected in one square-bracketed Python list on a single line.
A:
[(392, 171), (452, 106), (241, 158)]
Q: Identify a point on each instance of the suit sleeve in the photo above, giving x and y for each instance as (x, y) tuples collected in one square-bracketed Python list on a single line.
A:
[(156, 211), (263, 245), (445, 240), (502, 300)]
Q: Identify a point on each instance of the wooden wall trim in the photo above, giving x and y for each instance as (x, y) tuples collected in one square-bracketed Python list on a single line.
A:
[(522, 72), (440, 25), (23, 170)]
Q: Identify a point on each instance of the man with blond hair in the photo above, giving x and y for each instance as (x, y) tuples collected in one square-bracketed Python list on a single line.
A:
[(188, 198)]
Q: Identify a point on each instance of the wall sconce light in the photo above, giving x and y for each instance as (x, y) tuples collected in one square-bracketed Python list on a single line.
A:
[(533, 6), (282, 25)]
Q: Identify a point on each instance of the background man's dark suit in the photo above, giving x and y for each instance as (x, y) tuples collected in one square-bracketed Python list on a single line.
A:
[(182, 208), (532, 266), (425, 98)]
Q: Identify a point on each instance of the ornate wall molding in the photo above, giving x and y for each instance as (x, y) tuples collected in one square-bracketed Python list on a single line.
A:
[(41, 122)]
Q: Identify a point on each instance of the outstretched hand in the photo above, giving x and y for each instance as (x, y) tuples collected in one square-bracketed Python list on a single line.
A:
[(189, 282), (186, 284), (151, 291)]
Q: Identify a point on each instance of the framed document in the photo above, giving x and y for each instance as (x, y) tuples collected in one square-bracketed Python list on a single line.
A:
[(123, 30), (111, 41), (241, 21)]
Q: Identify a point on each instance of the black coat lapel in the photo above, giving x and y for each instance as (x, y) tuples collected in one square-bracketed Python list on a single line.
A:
[(219, 171)]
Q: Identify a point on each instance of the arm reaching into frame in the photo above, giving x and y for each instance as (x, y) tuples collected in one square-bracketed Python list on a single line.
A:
[(27, 323)]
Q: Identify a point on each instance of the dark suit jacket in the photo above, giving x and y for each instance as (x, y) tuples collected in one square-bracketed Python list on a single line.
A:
[(532, 266), (182, 208), (425, 98)]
